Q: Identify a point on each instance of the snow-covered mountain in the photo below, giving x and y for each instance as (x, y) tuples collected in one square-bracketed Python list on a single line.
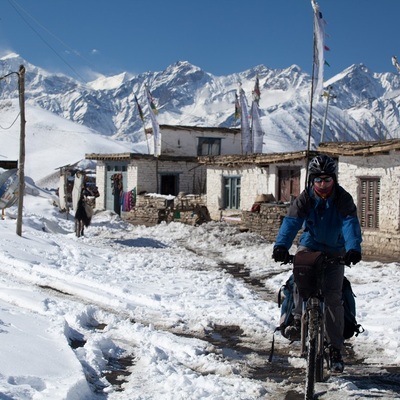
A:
[(365, 107)]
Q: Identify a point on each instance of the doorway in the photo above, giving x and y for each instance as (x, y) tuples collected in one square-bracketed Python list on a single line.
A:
[(288, 184), (169, 184)]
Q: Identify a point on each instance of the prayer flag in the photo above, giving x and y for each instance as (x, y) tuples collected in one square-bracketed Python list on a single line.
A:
[(319, 36), (237, 107), (152, 105), (245, 124), (256, 91), (140, 111), (256, 129), (155, 126), (396, 63)]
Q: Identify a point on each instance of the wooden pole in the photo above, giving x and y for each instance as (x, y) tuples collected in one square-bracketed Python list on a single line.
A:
[(328, 96), (21, 163), (311, 110)]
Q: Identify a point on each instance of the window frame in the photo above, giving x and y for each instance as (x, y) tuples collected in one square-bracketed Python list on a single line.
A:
[(210, 142), (368, 207), (231, 190)]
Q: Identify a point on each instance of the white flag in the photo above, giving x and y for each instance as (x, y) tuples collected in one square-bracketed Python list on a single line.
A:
[(396, 63), (319, 46), (256, 129), (245, 124), (154, 124)]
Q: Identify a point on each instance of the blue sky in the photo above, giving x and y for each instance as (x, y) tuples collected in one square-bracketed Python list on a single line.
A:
[(219, 36)]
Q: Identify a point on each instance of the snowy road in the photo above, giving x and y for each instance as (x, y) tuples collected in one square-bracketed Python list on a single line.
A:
[(174, 312)]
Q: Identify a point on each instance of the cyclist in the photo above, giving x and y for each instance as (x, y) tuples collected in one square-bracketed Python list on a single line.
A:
[(329, 216)]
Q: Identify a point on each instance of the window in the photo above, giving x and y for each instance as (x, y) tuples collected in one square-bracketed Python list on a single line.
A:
[(368, 202), (232, 192), (116, 167), (209, 147)]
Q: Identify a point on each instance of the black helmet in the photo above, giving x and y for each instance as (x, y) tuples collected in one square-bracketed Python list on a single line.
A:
[(322, 165)]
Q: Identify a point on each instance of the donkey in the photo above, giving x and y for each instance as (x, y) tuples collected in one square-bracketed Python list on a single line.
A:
[(83, 216)]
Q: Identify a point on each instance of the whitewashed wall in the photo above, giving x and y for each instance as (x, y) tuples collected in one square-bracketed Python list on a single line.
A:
[(385, 167), (100, 183), (184, 142), (273, 175), (255, 180), (385, 241), (144, 175), (215, 187)]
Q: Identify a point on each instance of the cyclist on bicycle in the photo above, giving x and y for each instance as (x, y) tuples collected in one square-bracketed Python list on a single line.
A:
[(331, 225)]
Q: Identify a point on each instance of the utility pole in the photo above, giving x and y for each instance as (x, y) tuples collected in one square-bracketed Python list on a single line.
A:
[(21, 162), (328, 96)]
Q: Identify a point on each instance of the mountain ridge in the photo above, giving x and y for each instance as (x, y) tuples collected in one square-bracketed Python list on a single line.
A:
[(365, 107)]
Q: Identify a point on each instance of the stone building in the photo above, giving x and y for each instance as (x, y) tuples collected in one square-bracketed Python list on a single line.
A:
[(121, 178), (234, 181), (370, 171), (208, 161)]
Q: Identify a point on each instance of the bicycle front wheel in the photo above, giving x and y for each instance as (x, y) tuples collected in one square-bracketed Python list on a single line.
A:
[(319, 368), (312, 352), (311, 368)]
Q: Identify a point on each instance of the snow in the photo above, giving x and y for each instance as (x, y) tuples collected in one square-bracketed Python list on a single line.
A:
[(109, 82), (72, 308), (54, 141), (151, 294)]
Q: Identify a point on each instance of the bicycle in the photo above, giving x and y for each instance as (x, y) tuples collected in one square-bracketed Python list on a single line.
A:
[(309, 278)]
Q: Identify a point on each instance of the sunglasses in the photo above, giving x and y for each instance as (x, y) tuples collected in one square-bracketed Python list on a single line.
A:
[(318, 179)]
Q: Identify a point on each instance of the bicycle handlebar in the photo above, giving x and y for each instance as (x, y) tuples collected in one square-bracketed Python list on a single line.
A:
[(338, 259)]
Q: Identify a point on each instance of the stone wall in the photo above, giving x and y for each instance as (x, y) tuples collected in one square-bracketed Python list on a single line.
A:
[(152, 209), (266, 222), (376, 245)]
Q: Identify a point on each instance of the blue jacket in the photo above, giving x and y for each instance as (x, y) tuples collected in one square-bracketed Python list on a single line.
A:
[(330, 225)]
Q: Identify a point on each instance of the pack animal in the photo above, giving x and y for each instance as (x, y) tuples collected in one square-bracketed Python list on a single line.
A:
[(83, 216)]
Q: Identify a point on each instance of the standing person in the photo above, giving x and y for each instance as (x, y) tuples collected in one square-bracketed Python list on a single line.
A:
[(331, 225)]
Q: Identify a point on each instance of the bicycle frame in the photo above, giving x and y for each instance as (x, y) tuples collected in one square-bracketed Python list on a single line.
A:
[(313, 329), (313, 320)]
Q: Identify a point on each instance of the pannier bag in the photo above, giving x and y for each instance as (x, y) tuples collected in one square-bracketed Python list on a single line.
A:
[(308, 272)]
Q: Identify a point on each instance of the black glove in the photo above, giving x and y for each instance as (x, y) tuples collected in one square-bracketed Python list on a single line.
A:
[(352, 256), (281, 254)]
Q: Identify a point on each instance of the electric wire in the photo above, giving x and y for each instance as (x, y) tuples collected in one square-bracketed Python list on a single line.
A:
[(12, 124), (17, 7)]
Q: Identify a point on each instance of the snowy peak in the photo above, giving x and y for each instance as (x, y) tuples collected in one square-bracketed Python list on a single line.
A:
[(187, 95), (109, 82)]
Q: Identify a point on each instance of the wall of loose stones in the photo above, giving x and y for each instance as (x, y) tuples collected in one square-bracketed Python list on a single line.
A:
[(266, 222), (152, 210), (377, 245)]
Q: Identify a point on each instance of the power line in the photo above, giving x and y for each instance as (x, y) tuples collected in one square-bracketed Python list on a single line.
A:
[(12, 124), (17, 7)]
